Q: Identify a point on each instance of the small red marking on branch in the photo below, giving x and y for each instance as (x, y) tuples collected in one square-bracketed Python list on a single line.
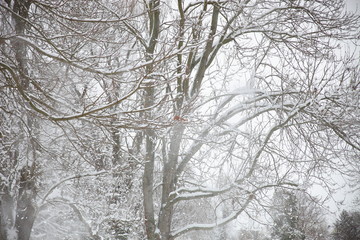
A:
[(178, 118)]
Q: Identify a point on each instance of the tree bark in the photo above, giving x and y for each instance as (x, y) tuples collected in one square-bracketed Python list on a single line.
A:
[(17, 207), (169, 181), (149, 99), (25, 211)]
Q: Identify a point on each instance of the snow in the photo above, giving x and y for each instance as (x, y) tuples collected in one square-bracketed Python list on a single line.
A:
[(12, 233), (87, 68), (199, 226), (77, 176), (236, 138)]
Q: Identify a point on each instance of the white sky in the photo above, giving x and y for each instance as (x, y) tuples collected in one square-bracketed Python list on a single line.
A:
[(353, 5), (346, 196)]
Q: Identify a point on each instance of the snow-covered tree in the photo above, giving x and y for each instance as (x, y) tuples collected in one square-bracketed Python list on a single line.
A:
[(347, 226), (298, 215), (286, 217), (133, 115)]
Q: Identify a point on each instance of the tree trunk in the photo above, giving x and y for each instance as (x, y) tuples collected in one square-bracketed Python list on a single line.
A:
[(149, 99), (6, 214), (18, 214), (169, 181), (25, 211), (17, 206)]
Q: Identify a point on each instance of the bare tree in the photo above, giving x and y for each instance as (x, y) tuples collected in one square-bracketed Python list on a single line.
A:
[(213, 102), (264, 129), (58, 73)]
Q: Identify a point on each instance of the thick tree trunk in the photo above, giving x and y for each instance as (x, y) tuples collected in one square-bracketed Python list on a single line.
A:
[(6, 214), (150, 136), (148, 177), (169, 181), (17, 207), (18, 213), (25, 211), (148, 185)]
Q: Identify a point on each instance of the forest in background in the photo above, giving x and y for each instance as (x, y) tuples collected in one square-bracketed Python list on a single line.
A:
[(187, 119)]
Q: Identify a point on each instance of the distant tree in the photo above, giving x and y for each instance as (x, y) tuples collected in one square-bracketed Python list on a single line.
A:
[(297, 215), (251, 235), (312, 218), (347, 227), (286, 217)]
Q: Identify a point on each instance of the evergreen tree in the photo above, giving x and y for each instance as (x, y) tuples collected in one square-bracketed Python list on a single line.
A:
[(286, 217), (347, 227)]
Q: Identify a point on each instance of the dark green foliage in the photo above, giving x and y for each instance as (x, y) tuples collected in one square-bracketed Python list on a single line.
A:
[(347, 227)]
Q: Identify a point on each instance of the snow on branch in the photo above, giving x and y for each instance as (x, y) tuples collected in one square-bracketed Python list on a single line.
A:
[(69, 117), (230, 217), (196, 193), (247, 105), (90, 69), (276, 127), (218, 223), (77, 176)]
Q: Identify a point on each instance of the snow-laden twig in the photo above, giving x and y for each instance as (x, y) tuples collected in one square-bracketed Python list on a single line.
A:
[(77, 176), (199, 226), (91, 69), (196, 193), (69, 117), (249, 104), (230, 217), (276, 127)]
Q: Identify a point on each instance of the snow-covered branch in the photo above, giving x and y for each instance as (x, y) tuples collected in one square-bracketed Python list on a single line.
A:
[(77, 176), (182, 194), (218, 223), (268, 136)]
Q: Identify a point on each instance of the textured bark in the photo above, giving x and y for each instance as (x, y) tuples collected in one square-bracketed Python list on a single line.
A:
[(17, 204), (18, 213), (148, 177), (149, 99), (203, 65), (25, 211), (169, 181), (148, 182), (6, 211)]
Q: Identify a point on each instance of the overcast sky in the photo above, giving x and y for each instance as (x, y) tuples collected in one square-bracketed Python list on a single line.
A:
[(353, 5)]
